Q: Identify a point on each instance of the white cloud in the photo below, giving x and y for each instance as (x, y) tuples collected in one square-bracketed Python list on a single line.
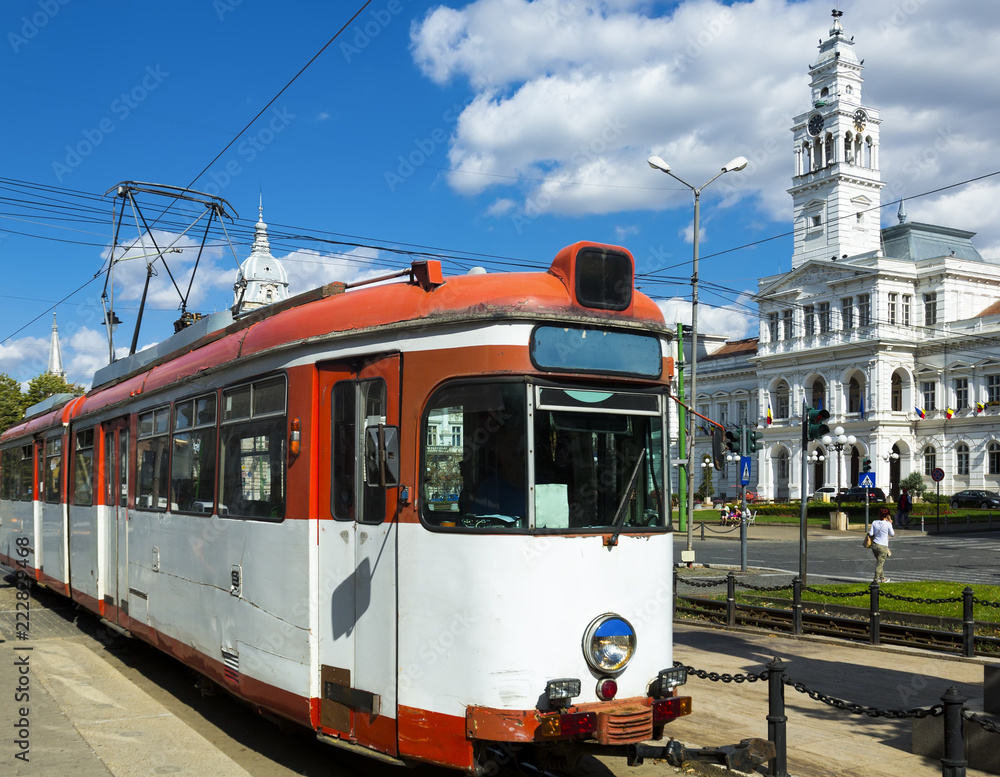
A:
[(732, 322), (25, 358), (572, 97)]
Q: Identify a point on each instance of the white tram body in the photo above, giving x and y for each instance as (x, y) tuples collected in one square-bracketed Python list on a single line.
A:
[(421, 518)]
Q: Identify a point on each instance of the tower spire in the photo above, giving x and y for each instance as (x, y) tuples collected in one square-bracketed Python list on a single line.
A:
[(55, 353)]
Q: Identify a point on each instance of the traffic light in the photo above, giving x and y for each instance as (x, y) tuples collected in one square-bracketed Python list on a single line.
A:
[(718, 456), (733, 443), (866, 465), (812, 423), (753, 444)]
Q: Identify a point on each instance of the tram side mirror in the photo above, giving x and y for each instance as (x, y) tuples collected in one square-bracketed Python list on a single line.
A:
[(382, 456)]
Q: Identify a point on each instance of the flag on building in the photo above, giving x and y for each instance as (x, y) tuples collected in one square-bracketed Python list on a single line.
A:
[(770, 418), (919, 411), (949, 413), (980, 407), (862, 408)]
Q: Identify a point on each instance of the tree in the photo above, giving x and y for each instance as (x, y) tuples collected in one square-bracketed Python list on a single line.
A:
[(11, 402), (914, 483), (46, 385)]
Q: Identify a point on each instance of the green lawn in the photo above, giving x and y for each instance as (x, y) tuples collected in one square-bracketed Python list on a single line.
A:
[(923, 590)]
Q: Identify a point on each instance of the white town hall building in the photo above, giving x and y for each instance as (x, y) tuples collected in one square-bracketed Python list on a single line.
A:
[(895, 331)]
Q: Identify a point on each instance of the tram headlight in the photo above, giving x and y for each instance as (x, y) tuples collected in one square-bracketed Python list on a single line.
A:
[(609, 643)]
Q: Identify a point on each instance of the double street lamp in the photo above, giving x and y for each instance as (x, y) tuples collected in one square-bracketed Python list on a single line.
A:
[(733, 165), (838, 442)]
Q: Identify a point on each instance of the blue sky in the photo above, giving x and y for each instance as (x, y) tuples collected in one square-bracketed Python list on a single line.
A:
[(492, 133)]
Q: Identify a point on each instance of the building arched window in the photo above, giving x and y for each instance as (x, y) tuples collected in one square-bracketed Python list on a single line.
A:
[(781, 399), (993, 458), (961, 459), (930, 460), (897, 392), (854, 396), (783, 465), (818, 392)]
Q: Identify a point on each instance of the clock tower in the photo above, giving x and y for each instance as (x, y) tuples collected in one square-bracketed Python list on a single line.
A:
[(836, 190)]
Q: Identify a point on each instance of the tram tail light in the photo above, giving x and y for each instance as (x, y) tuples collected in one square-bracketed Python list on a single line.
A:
[(665, 710), (295, 439), (568, 725)]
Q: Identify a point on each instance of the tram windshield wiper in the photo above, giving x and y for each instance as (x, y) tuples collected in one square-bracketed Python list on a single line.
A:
[(623, 504)]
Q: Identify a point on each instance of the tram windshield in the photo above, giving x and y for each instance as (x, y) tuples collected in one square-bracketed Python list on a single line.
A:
[(588, 461)]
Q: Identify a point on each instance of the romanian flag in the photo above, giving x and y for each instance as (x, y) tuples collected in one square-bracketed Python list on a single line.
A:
[(770, 418), (980, 407), (949, 413), (919, 411)]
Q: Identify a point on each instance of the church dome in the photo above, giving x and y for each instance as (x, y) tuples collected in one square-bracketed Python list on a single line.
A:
[(261, 279)]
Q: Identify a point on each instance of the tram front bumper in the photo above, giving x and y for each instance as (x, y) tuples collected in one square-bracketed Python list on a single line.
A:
[(608, 723)]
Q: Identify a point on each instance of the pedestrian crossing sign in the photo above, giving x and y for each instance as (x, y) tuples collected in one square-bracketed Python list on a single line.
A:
[(866, 480)]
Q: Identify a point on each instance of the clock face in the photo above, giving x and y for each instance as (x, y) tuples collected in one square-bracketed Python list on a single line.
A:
[(815, 124), (860, 118)]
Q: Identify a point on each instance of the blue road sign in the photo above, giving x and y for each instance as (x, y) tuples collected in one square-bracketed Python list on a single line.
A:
[(744, 470), (866, 480)]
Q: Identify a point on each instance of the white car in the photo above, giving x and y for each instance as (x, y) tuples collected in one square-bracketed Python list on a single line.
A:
[(830, 490)]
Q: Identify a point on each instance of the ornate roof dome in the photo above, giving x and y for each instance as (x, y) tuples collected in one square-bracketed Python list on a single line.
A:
[(262, 278)]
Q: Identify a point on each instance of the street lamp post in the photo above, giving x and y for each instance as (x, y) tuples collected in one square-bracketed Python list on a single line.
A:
[(814, 458), (733, 165), (838, 442)]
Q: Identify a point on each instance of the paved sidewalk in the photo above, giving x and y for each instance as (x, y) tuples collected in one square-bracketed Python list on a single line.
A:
[(73, 714), (822, 740)]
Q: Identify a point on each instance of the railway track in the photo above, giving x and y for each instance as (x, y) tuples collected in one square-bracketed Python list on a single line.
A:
[(892, 629)]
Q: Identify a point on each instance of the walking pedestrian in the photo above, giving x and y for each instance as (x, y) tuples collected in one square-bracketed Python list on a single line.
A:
[(903, 509), (880, 531)]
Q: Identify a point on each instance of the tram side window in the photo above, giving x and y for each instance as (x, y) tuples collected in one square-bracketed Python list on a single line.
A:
[(152, 461), (253, 456), (53, 469), (8, 472), (83, 468), (479, 483), (26, 491), (192, 467), (109, 469)]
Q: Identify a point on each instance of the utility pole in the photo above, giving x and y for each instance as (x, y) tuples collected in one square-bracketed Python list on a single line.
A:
[(682, 437)]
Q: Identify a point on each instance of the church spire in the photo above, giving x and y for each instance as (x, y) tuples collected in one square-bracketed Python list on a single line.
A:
[(55, 354)]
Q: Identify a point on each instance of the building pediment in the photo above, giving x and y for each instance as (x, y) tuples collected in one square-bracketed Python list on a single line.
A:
[(815, 274)]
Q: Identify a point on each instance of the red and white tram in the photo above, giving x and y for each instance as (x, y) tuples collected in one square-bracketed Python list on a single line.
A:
[(420, 518)]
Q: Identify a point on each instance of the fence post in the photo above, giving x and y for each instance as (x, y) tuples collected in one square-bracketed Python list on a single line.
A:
[(953, 763), (874, 617), (702, 530), (676, 578), (776, 718), (730, 599), (968, 624), (797, 605)]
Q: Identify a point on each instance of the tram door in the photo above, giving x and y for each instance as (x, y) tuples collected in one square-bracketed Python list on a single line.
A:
[(115, 530), (358, 498)]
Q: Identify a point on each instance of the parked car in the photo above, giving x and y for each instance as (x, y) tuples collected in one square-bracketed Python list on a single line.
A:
[(857, 494), (984, 500), (818, 493)]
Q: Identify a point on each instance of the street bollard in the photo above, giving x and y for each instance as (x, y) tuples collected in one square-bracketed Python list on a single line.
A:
[(953, 763), (874, 617), (968, 624), (730, 599), (776, 718), (797, 605)]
